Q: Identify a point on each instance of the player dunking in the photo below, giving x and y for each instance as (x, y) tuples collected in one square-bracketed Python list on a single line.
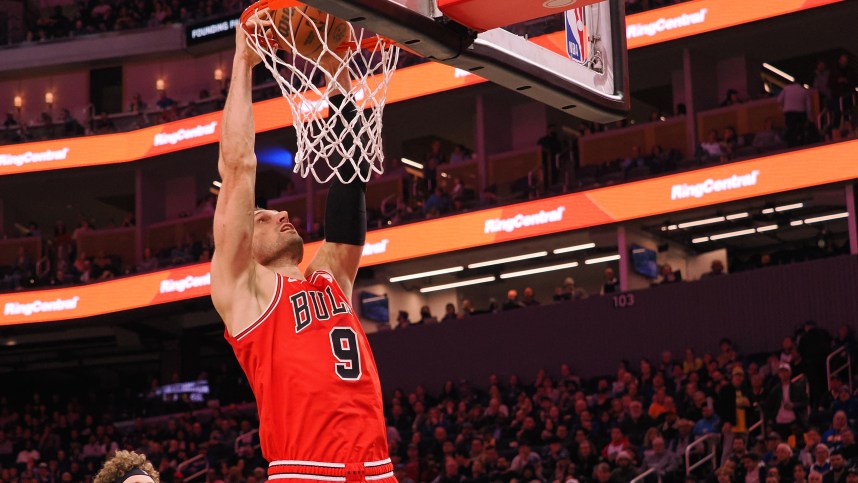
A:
[(295, 334)]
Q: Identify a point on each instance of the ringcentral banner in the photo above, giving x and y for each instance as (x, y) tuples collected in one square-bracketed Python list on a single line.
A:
[(574, 211)]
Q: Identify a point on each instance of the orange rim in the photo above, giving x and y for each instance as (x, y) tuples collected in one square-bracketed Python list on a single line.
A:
[(368, 43)]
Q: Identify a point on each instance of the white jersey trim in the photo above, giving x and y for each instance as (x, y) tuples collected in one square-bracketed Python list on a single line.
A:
[(379, 477), (298, 476), (275, 299), (306, 463), (371, 464)]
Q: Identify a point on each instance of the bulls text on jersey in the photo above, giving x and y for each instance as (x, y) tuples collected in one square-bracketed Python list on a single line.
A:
[(315, 305)]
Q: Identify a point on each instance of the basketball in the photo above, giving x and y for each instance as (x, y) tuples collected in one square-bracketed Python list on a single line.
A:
[(308, 28)]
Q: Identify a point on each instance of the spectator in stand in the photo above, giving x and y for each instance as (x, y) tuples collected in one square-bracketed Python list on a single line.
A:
[(814, 345), (402, 321), (767, 139), (821, 462), (716, 268), (663, 461), (624, 471), (732, 98), (843, 83), (733, 403), (751, 469), (137, 104), (551, 146), (569, 291), (668, 275), (148, 263), (833, 437), (467, 309), (426, 316), (437, 204), (529, 300), (10, 121), (795, 103), (164, 101), (449, 313), (611, 283), (837, 474), (710, 148), (730, 143), (460, 154), (787, 403), (617, 444), (512, 301)]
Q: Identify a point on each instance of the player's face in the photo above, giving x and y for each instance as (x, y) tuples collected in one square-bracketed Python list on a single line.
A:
[(275, 238)]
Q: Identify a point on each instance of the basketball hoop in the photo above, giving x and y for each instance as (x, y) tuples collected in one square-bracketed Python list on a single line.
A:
[(358, 69)]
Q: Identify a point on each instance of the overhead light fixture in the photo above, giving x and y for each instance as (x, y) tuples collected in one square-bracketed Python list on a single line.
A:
[(793, 206), (767, 228), (534, 271), (707, 221), (737, 216), (49, 98), (508, 259), (700, 240), (671, 227), (430, 273), (160, 85), (732, 234), (609, 258), (413, 164), (768, 211), (818, 219), (574, 248), (777, 71), (18, 102), (463, 283), (218, 74), (217, 183), (796, 223)]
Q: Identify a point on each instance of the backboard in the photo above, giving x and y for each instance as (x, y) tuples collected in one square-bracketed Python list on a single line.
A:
[(582, 72)]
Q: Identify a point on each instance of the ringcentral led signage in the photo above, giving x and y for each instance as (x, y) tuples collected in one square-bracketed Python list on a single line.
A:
[(677, 192)]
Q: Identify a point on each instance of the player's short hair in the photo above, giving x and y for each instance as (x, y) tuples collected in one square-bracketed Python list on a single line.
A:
[(122, 463)]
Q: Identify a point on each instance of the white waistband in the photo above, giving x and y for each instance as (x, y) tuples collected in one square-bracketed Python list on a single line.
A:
[(368, 464)]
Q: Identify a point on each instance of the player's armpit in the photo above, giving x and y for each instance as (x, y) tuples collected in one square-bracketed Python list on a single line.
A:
[(341, 260)]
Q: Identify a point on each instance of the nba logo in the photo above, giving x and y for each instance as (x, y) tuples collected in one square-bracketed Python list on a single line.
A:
[(576, 35)]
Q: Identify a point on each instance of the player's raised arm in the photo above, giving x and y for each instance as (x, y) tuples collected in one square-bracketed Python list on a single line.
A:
[(232, 264), (345, 234), (345, 220)]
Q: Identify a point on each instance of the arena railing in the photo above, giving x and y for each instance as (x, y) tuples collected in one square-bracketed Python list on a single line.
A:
[(245, 439), (641, 477), (189, 464), (711, 440), (846, 366)]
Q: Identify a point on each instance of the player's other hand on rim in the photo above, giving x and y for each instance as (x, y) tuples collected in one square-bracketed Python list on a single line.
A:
[(257, 25)]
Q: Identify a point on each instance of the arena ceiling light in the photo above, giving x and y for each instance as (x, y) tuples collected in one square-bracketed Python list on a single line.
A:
[(737, 216), (700, 240), (507, 260), (413, 164), (609, 258), (794, 206), (402, 278), (817, 219), (463, 283), (574, 248), (707, 221), (732, 234), (767, 228), (534, 271), (796, 223), (771, 68)]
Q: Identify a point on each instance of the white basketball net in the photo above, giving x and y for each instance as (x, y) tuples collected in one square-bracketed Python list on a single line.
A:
[(326, 144)]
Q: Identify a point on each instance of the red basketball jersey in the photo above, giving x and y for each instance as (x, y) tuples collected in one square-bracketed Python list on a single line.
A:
[(316, 385)]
